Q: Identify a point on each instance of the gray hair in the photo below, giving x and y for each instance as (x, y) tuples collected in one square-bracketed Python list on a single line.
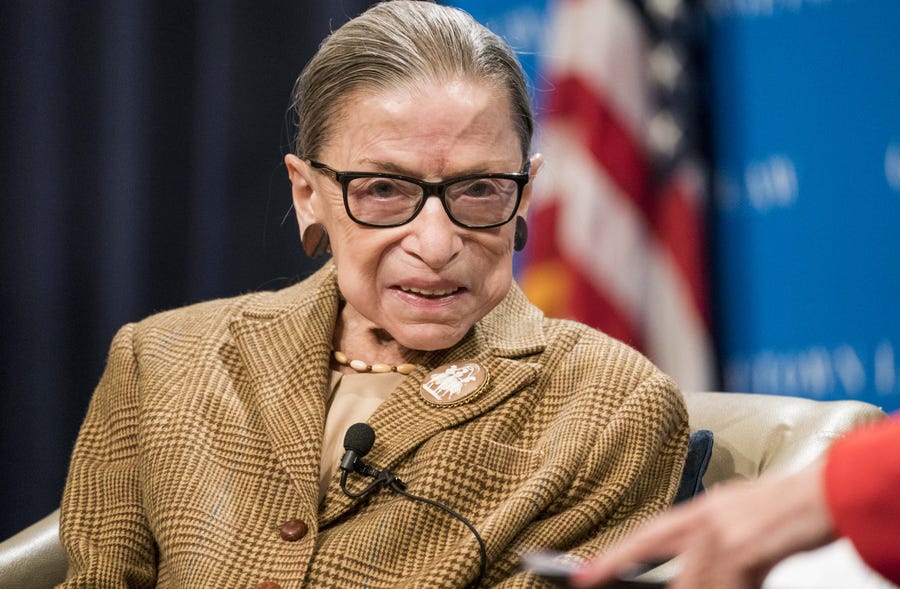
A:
[(397, 43)]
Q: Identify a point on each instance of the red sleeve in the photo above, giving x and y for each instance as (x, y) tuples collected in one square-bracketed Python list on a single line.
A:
[(862, 488)]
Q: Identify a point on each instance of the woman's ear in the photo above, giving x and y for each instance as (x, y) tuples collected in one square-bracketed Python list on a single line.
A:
[(313, 235), (537, 160), (301, 190)]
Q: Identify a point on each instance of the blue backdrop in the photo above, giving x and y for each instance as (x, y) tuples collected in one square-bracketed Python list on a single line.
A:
[(806, 128)]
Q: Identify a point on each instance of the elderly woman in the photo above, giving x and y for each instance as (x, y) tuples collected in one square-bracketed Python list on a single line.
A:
[(210, 453)]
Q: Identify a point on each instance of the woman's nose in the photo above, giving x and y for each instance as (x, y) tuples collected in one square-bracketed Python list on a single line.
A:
[(434, 238)]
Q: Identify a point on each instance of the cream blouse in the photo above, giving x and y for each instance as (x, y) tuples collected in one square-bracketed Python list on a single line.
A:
[(351, 398)]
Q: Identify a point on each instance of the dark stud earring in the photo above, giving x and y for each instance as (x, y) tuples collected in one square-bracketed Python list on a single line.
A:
[(521, 237), (315, 240)]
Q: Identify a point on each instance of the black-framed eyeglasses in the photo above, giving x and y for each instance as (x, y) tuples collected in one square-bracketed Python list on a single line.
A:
[(476, 201)]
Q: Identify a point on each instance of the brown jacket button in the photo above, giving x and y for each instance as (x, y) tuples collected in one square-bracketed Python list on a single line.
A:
[(268, 585), (293, 529)]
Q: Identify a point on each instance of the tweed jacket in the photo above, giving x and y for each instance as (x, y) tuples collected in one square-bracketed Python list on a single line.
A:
[(204, 436)]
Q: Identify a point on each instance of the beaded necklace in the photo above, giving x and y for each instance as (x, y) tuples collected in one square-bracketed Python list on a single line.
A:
[(360, 366)]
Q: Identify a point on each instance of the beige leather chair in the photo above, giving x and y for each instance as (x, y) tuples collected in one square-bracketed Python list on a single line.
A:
[(753, 434), (34, 557)]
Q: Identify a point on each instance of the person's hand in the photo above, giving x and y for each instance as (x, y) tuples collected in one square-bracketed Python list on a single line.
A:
[(729, 538)]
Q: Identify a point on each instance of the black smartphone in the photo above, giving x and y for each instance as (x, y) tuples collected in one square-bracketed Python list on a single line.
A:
[(550, 566), (557, 568)]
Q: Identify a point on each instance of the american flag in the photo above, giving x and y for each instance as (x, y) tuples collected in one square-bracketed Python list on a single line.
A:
[(617, 222)]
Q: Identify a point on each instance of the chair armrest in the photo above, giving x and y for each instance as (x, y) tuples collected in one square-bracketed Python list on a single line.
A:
[(34, 557), (755, 432)]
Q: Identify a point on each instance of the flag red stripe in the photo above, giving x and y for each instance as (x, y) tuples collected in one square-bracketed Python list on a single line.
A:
[(681, 232), (604, 134), (591, 306), (542, 243)]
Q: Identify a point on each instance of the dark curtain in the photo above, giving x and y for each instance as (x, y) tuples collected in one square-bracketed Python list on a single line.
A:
[(141, 170)]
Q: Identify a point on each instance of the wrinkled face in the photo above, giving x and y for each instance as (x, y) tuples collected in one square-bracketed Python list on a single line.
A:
[(426, 282)]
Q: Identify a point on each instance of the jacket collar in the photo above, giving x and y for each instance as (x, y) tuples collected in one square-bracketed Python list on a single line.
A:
[(285, 342)]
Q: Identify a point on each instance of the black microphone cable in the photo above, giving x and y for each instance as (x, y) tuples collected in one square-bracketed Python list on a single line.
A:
[(399, 487), (358, 440)]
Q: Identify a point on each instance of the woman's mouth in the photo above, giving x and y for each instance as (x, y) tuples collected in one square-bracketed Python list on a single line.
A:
[(430, 293)]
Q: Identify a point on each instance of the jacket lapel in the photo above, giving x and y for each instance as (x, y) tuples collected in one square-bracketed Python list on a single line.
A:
[(285, 348)]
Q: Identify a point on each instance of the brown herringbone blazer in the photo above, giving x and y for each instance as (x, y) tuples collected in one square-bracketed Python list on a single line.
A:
[(204, 435)]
